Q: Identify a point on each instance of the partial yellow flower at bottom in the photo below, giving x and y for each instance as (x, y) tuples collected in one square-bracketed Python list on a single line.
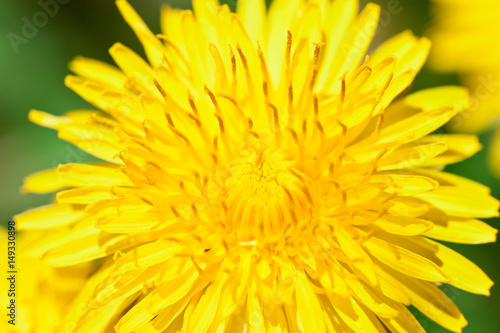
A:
[(258, 175), (48, 299), (466, 40)]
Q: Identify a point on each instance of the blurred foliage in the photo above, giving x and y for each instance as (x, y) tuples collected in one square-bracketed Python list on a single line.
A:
[(34, 78)]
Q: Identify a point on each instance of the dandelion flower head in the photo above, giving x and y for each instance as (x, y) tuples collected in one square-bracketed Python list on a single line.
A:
[(44, 299), (466, 41), (259, 175)]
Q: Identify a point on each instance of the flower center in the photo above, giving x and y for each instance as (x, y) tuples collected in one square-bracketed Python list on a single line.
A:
[(259, 180), (264, 196)]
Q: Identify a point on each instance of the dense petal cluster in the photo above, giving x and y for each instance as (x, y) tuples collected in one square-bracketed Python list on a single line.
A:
[(466, 40), (259, 175)]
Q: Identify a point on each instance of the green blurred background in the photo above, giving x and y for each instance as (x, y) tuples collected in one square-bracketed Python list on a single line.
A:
[(33, 78)]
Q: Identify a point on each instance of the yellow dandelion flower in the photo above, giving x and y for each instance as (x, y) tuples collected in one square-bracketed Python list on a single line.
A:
[(44, 299), (466, 40), (258, 175)]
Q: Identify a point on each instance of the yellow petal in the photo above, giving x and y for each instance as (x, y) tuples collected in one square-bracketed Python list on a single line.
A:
[(411, 155), (330, 280), (255, 315), (205, 10), (162, 321), (307, 27), (46, 119), (129, 204), (334, 323), (205, 310), (419, 125), (87, 248), (90, 90), (433, 303), (105, 174), (63, 235), (233, 323), (131, 222), (371, 299), (152, 46), (459, 202), (397, 86), (410, 52), (415, 58), (44, 182), (405, 261), (435, 98), (355, 44), (276, 322), (134, 67), (100, 321), (449, 179), (405, 322), (465, 231), (113, 288), (459, 146), (85, 318), (50, 216), (252, 15), (308, 308), (183, 281), (391, 288), (155, 111), (95, 140), (146, 255), (340, 16), (408, 206), (281, 13), (464, 273), (85, 195), (171, 24), (99, 71), (404, 185), (357, 317), (166, 304), (361, 262), (422, 112), (403, 225)]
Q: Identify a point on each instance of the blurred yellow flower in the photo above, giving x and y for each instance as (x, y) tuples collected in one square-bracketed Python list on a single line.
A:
[(258, 176), (49, 299), (466, 40)]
